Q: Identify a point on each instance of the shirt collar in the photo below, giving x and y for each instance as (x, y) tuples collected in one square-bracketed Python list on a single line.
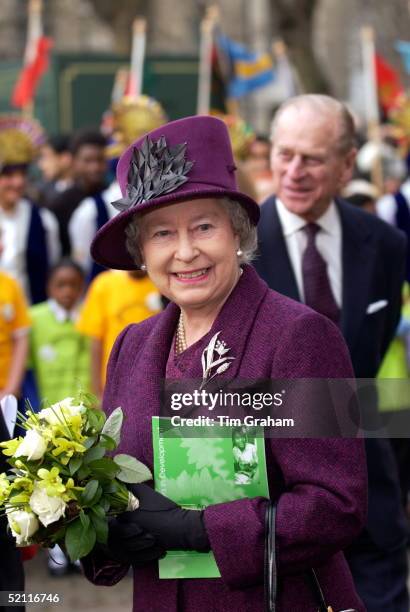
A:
[(61, 314), (292, 223)]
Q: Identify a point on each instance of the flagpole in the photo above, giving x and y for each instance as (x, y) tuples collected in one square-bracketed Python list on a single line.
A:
[(34, 31), (120, 84), (137, 56), (371, 101), (205, 60), (285, 71)]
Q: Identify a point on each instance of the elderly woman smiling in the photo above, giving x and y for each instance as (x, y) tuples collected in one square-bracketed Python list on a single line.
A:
[(183, 219), (193, 255)]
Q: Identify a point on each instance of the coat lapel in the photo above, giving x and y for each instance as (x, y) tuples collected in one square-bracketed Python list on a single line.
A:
[(152, 363), (235, 323), (279, 275), (358, 259)]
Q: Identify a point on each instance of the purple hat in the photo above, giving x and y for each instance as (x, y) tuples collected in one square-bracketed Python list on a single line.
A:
[(183, 160)]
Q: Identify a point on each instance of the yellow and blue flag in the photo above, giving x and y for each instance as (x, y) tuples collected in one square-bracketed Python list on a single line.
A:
[(403, 47), (248, 70)]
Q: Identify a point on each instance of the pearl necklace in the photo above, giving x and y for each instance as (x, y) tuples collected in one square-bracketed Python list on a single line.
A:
[(180, 339)]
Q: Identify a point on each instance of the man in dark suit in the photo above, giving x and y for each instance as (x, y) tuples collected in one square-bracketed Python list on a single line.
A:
[(349, 265)]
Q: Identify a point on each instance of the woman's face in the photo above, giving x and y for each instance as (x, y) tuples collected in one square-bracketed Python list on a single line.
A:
[(189, 249)]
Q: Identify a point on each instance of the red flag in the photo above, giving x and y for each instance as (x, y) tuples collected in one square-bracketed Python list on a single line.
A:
[(389, 86), (31, 73)]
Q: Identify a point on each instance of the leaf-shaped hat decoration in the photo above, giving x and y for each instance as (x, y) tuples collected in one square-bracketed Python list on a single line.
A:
[(155, 170)]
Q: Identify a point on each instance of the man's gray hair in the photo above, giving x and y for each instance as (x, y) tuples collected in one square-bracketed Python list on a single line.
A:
[(324, 105), (241, 225)]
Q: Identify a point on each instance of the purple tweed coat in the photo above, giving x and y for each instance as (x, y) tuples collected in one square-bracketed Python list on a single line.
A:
[(320, 483)]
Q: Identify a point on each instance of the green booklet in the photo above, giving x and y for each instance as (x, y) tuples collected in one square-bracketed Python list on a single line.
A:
[(198, 472)]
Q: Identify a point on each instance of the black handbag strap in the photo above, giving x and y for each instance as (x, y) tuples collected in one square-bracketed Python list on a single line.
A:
[(270, 577)]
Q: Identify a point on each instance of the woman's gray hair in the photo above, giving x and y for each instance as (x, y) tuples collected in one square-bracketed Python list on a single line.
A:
[(241, 225)]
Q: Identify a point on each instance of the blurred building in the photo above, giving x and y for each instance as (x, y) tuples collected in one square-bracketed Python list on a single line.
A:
[(103, 26)]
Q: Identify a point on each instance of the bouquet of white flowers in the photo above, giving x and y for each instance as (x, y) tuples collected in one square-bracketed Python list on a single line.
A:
[(62, 487)]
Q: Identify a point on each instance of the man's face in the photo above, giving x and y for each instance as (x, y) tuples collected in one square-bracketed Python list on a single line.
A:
[(90, 166), (48, 163), (12, 187), (308, 168), (53, 165)]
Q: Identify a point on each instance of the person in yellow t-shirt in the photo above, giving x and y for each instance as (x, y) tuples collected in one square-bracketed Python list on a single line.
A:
[(114, 300), (14, 328)]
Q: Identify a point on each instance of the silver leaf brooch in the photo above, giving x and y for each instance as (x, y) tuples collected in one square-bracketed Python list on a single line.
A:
[(213, 357)]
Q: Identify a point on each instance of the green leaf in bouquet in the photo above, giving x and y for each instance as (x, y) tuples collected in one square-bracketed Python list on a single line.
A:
[(132, 470), (113, 424), (105, 504), (83, 472), (96, 452), (79, 540), (88, 399), (111, 487), (100, 525), (89, 492), (75, 463), (104, 468), (108, 442), (96, 419), (89, 442), (98, 510), (85, 519)]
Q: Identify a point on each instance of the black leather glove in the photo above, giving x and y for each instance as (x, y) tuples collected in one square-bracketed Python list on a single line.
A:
[(129, 543), (173, 527)]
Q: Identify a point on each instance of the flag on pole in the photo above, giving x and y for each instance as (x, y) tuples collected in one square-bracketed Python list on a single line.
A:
[(286, 84), (248, 70), (403, 47), (36, 58), (389, 86)]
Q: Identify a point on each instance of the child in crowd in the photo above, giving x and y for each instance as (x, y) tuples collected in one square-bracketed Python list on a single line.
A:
[(114, 300), (59, 354)]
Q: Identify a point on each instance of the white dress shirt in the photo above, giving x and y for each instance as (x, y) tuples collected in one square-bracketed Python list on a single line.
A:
[(14, 226), (61, 314), (328, 243), (386, 207), (82, 226)]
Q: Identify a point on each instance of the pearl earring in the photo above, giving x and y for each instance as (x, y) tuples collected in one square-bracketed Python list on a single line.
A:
[(239, 252), (143, 267)]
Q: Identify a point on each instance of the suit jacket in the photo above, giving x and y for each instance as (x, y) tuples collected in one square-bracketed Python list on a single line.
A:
[(320, 483), (373, 265)]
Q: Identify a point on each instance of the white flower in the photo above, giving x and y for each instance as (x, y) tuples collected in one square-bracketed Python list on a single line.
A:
[(58, 413), (33, 446), (133, 502), (48, 509), (23, 525)]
